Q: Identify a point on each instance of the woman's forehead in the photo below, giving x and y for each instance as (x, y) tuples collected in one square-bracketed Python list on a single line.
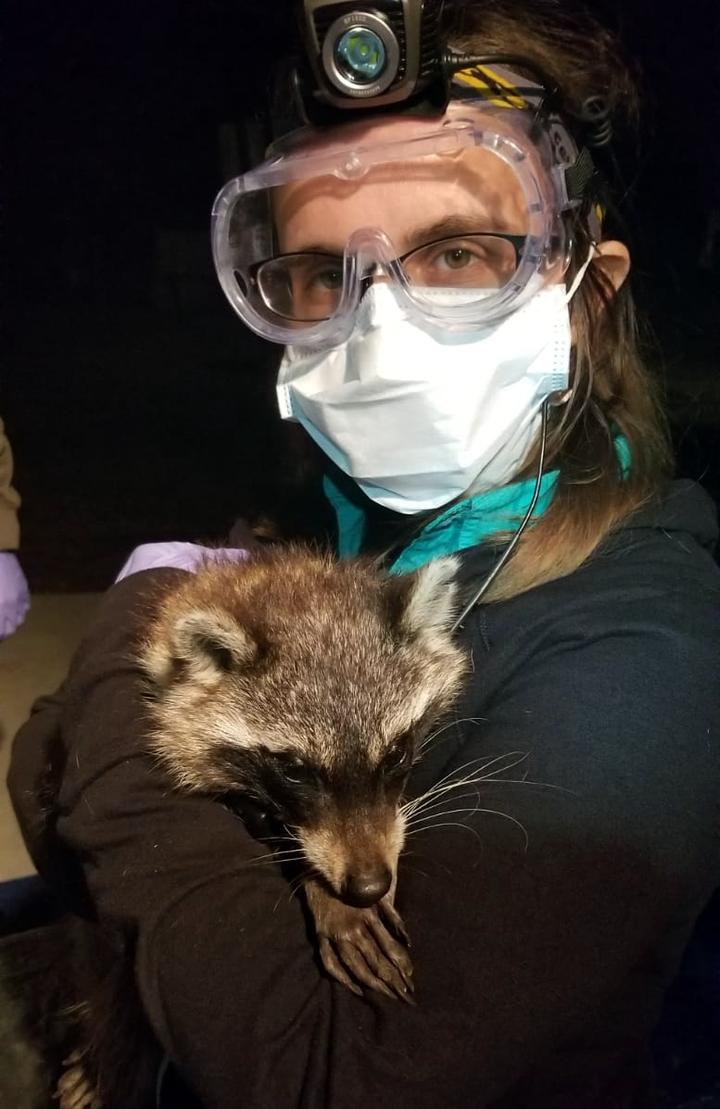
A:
[(478, 188), (400, 197)]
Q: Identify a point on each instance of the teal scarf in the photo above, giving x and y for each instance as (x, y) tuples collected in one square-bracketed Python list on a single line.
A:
[(465, 524)]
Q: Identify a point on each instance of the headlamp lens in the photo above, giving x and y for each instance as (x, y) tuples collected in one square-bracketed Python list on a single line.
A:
[(360, 54)]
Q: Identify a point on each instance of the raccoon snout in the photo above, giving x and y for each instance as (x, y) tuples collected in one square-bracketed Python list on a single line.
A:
[(365, 887)]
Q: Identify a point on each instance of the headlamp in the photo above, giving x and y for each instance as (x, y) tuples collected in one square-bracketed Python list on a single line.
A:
[(391, 55), (369, 56)]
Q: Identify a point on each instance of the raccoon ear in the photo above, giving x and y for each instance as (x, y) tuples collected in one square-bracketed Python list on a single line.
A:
[(212, 638), (427, 598), (208, 640)]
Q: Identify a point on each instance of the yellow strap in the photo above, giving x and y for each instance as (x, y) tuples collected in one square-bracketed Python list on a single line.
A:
[(487, 87)]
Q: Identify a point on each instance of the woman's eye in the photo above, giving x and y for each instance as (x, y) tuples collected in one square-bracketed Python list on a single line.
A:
[(329, 279), (457, 258)]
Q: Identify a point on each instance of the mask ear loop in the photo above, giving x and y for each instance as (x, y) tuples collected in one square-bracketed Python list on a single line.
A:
[(550, 402), (581, 273)]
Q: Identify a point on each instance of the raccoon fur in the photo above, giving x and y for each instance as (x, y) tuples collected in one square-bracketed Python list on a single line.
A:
[(300, 689)]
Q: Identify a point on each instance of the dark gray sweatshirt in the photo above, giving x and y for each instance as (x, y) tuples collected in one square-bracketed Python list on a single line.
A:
[(546, 925)]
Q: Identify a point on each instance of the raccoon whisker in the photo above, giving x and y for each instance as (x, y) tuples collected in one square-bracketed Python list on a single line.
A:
[(297, 882), (436, 802), (503, 762), (281, 851), (274, 863), (454, 824), (432, 800), (518, 755), (425, 823), (446, 784), (285, 856), (294, 885), (426, 820), (412, 866), (436, 799), (451, 724)]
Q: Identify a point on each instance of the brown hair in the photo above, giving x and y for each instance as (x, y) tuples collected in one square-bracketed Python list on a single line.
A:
[(611, 389)]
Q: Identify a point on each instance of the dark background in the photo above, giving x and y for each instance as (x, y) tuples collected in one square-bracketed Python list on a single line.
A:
[(138, 406)]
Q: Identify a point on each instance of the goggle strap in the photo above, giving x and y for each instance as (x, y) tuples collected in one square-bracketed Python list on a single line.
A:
[(580, 175)]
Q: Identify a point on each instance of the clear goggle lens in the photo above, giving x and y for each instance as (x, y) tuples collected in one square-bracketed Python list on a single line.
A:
[(308, 287), (477, 196)]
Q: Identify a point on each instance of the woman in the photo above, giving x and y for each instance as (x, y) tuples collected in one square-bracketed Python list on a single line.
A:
[(439, 367)]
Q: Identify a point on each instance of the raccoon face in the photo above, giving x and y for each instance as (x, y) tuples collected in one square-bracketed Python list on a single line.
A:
[(345, 816), (306, 693)]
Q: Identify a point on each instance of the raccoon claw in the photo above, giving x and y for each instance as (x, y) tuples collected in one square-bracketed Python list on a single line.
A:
[(393, 917), (335, 968), (74, 1089), (357, 947)]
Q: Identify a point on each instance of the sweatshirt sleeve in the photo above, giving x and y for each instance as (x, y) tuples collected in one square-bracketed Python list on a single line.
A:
[(9, 500), (532, 896)]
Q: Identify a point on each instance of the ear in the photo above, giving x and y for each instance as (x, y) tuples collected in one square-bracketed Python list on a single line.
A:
[(209, 641), (613, 258), (426, 600)]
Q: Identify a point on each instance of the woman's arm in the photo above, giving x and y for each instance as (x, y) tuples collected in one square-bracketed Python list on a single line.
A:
[(521, 948)]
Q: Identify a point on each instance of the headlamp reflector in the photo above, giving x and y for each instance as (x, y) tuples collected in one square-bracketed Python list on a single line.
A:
[(360, 54)]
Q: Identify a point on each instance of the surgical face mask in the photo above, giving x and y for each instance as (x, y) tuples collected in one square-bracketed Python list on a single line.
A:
[(417, 417)]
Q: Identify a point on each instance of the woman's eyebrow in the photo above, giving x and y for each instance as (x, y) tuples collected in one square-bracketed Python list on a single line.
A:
[(317, 248), (445, 228)]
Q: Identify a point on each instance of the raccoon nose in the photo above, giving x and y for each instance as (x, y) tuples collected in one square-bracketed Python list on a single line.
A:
[(365, 887)]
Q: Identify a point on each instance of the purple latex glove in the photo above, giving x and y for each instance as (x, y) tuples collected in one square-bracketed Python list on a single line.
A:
[(177, 556), (14, 594)]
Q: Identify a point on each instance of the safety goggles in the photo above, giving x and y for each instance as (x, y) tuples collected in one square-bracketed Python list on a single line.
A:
[(465, 216)]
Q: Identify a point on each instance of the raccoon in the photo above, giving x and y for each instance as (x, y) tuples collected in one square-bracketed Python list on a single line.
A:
[(304, 686), (299, 690)]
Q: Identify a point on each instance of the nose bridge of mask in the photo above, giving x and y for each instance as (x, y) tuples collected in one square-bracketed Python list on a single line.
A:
[(379, 307)]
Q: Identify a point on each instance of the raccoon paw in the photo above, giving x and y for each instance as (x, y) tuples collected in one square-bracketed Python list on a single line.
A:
[(75, 1090), (357, 945)]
